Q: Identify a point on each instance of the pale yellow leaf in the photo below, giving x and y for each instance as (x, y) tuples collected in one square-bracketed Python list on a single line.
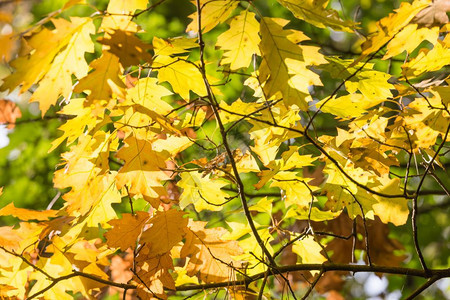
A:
[(213, 12), (240, 42)]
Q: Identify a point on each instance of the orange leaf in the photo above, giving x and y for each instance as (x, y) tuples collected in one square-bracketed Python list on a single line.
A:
[(9, 112), (166, 231), (153, 274), (210, 256), (126, 230), (27, 214)]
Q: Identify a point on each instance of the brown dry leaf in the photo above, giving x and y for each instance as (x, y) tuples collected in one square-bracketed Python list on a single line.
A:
[(211, 258), (167, 230), (9, 112), (126, 231), (382, 247), (434, 14)]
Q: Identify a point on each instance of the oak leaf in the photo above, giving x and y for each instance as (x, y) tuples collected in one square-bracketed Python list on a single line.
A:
[(53, 62), (240, 41), (104, 80), (204, 192), (212, 13), (314, 12), (27, 214), (283, 59), (211, 258), (126, 231), (142, 172), (166, 231), (127, 47)]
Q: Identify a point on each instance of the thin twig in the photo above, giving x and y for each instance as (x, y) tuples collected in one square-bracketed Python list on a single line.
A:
[(423, 287), (312, 285)]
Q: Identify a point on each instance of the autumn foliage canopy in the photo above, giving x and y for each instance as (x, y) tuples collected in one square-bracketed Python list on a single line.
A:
[(171, 187)]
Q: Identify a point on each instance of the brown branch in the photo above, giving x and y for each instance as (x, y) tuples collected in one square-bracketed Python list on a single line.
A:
[(263, 284), (85, 275), (439, 273), (432, 274), (27, 262)]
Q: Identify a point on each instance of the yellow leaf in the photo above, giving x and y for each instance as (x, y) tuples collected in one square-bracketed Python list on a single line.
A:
[(142, 170), (314, 12), (94, 201), (9, 237), (183, 278), (182, 76), (212, 13), (153, 274), (173, 46), (238, 107), (148, 93), (409, 39), (74, 128), (428, 60), (282, 58), (126, 7), (427, 124), (294, 187), (245, 162), (52, 63), (126, 231), (240, 42), (104, 81), (373, 85), (394, 210), (167, 230), (317, 215), (247, 242), (172, 144), (202, 192), (308, 250), (391, 25), (348, 106), (263, 205), (120, 14)]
